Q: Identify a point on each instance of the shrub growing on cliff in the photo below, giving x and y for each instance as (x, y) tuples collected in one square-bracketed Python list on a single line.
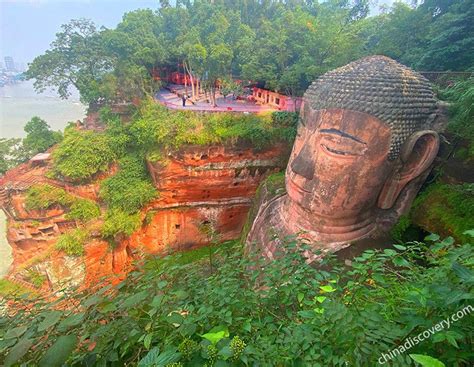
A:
[(447, 208), (118, 222), (155, 125), (130, 188), (72, 242), (83, 210), (39, 136), (44, 196), (290, 314), (82, 154), (461, 96)]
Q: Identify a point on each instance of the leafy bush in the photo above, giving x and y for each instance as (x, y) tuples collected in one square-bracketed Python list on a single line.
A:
[(39, 136), (82, 154), (447, 209), (72, 242), (44, 196), (117, 133), (290, 313), (35, 277), (130, 188), (461, 96), (155, 125), (118, 222), (83, 210)]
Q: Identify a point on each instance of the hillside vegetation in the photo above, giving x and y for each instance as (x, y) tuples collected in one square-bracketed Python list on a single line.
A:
[(184, 311)]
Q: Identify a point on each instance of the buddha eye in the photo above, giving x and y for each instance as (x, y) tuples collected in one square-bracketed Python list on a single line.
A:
[(338, 152)]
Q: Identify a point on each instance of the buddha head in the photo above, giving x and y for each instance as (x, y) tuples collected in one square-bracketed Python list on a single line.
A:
[(363, 137)]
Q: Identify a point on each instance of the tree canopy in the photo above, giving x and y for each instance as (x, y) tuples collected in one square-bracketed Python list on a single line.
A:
[(281, 45)]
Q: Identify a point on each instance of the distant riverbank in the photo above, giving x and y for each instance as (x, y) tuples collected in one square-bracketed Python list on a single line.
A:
[(19, 103)]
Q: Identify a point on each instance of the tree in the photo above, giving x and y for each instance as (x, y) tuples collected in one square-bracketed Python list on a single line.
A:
[(11, 154), (76, 59), (39, 136)]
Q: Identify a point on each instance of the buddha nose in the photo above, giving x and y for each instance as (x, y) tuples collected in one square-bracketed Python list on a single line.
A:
[(302, 164)]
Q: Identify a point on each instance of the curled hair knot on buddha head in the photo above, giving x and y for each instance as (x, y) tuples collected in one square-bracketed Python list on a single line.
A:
[(381, 87)]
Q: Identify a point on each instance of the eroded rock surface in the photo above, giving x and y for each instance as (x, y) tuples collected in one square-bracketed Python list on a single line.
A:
[(201, 188)]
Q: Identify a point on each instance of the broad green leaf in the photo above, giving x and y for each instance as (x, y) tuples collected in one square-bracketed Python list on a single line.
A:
[(400, 247), (107, 307), (18, 351), (469, 232), (216, 334), (71, 321), (427, 361), (462, 272), (59, 352), (51, 319), (400, 261), (147, 340), (300, 297), (181, 294), (135, 299), (327, 289), (390, 252), (15, 332), (432, 237), (156, 359), (93, 300), (320, 299), (156, 302)]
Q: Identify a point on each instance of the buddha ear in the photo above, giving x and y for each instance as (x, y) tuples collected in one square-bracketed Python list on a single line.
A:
[(416, 156)]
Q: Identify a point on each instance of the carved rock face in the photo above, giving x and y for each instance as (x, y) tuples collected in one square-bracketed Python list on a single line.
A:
[(339, 163), (359, 158)]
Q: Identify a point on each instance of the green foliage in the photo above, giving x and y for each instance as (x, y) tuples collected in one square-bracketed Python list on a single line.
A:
[(83, 210), (72, 242), (461, 97), (287, 313), (39, 136), (11, 154), (76, 59), (399, 229), (10, 289), (427, 361), (82, 154), (130, 188), (117, 134), (35, 277), (446, 208), (118, 222), (155, 125), (44, 196)]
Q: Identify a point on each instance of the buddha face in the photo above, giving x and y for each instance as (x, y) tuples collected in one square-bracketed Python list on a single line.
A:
[(339, 163)]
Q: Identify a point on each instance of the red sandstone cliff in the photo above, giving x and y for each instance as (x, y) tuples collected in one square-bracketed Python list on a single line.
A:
[(199, 186)]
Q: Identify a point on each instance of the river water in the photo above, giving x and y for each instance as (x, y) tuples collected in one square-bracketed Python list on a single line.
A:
[(18, 104)]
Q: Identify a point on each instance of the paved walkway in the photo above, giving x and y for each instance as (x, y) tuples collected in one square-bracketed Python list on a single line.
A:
[(171, 100)]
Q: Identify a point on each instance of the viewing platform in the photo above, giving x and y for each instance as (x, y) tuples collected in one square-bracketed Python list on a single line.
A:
[(171, 97)]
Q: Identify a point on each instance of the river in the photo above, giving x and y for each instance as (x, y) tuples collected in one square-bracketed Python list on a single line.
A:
[(19, 103)]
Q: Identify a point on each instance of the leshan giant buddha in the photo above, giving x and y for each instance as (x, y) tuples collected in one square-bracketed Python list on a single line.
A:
[(362, 151)]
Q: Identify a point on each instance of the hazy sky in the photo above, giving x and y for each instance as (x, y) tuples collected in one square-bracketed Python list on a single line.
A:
[(27, 27)]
